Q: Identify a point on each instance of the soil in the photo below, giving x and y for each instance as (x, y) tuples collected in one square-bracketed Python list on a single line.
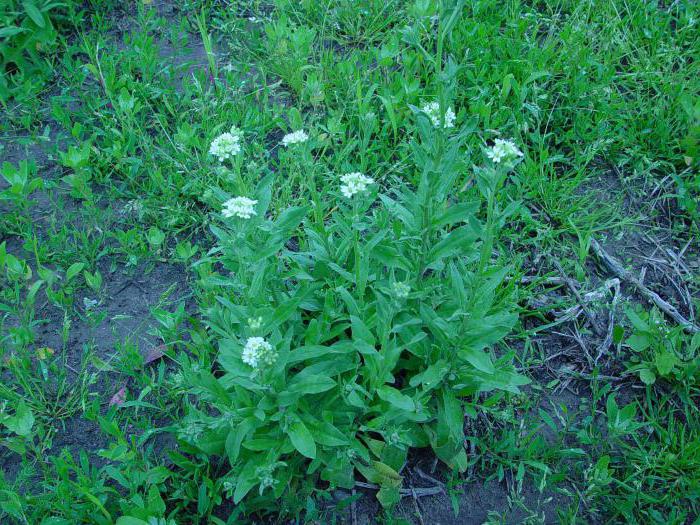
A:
[(119, 323), (479, 501)]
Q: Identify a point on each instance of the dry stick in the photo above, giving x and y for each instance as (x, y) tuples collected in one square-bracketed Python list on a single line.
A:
[(419, 492), (427, 477), (417, 506), (577, 337), (353, 508), (617, 268), (572, 286), (611, 323)]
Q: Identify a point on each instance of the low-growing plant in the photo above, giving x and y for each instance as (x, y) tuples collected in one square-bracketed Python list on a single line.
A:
[(662, 351), (288, 48), (22, 182), (345, 343), (17, 297), (28, 34)]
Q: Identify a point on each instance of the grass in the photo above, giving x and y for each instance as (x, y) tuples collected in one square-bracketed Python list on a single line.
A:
[(448, 326)]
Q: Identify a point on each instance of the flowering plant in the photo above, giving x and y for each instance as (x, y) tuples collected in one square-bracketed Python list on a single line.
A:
[(346, 342), (227, 145)]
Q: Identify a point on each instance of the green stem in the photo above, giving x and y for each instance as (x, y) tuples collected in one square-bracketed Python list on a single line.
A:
[(487, 245), (438, 59)]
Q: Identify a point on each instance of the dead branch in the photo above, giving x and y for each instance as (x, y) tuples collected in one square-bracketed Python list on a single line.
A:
[(414, 492), (572, 286), (616, 267), (611, 323)]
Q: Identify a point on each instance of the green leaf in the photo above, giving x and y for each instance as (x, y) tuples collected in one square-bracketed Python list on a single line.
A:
[(243, 486), (387, 475), (54, 520), (453, 415), (33, 290), (638, 342), (457, 241), (360, 331), (665, 361), (391, 257), (74, 270), (22, 422), (639, 323), (155, 236), (11, 31), (695, 342), (328, 435), (202, 499), (397, 210), (396, 398), (156, 505), (235, 438), (290, 218), (432, 376), (310, 351), (548, 420), (302, 439), (478, 359), (611, 408), (618, 334), (310, 383), (288, 308), (647, 376), (388, 496), (480, 332), (456, 213), (34, 13), (130, 520)]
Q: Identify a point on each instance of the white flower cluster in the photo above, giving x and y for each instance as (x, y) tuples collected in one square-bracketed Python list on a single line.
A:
[(227, 145), (257, 351), (354, 183), (255, 323), (296, 137), (241, 207), (401, 290), (432, 109), (503, 150), (265, 477)]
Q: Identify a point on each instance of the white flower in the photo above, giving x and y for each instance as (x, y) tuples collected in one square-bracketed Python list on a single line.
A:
[(354, 183), (257, 351), (503, 150), (89, 303), (432, 109), (227, 145), (296, 137), (401, 290), (241, 207)]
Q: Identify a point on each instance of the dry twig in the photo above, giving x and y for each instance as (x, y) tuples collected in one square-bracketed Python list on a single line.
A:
[(414, 492), (572, 286), (353, 508), (611, 323), (616, 267)]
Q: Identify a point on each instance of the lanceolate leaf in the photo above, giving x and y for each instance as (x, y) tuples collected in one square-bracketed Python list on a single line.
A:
[(302, 439), (34, 13)]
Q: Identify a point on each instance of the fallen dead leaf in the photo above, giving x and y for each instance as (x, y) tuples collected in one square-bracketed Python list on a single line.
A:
[(118, 398), (154, 353)]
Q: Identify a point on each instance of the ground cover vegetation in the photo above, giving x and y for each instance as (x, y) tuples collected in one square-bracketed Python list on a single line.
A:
[(333, 261)]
